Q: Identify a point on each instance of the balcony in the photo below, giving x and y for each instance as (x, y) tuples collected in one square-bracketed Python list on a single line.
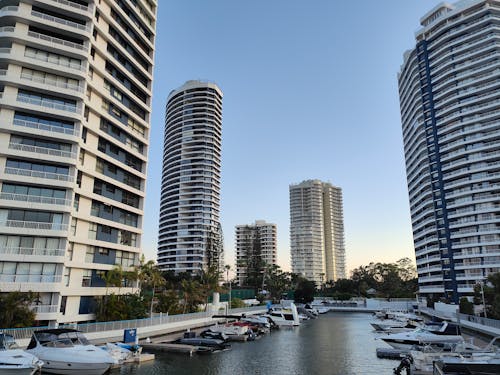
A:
[(50, 82), (30, 278), (34, 225), (42, 150), (60, 21), (35, 199), (48, 103), (45, 127), (39, 174), (74, 5), (55, 41), (44, 309), (32, 252)]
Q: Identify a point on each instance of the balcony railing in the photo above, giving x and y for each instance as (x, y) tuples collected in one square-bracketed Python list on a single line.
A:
[(42, 150), (72, 4), (39, 174), (30, 278), (59, 20), (32, 251), (59, 41), (50, 128), (34, 225), (7, 29), (40, 309), (48, 103), (51, 82), (35, 199)]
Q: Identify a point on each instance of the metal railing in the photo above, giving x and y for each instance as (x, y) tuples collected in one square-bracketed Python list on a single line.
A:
[(479, 320), (49, 103), (50, 128), (54, 40), (34, 225), (59, 20), (32, 251), (35, 199), (42, 150), (25, 333), (51, 82), (30, 278), (72, 4), (9, 29), (39, 174), (40, 309)]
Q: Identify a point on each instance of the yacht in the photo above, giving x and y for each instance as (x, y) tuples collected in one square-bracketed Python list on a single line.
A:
[(67, 351), (15, 361), (284, 317), (446, 336)]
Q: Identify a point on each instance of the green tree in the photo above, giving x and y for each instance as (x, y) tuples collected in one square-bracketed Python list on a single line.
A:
[(237, 303), (466, 307), (492, 295), (304, 291), (168, 302), (15, 311)]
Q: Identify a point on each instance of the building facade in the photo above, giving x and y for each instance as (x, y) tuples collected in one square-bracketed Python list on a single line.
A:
[(190, 234), (256, 247), (317, 231), (75, 103), (450, 100)]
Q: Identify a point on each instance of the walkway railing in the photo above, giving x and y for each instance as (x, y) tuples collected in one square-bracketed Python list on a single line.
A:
[(26, 333)]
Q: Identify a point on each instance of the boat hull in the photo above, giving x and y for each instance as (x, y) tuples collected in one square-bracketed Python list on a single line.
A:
[(473, 368), (4, 370), (70, 368)]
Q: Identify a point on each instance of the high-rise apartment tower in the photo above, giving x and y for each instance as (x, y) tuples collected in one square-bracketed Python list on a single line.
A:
[(317, 231), (256, 246), (449, 90), (75, 103), (190, 237)]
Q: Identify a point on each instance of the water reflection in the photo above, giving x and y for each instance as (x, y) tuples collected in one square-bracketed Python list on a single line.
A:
[(336, 343)]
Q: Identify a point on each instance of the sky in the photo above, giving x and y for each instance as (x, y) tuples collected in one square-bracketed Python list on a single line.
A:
[(310, 92)]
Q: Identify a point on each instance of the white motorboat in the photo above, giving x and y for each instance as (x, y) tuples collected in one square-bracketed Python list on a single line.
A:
[(284, 317), (448, 335), (230, 329), (16, 361), (463, 356), (67, 351)]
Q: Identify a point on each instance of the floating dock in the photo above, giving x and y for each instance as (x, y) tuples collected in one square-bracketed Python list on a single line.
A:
[(174, 348)]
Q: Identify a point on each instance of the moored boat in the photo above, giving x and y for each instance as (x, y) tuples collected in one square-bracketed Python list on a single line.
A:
[(67, 351), (15, 361)]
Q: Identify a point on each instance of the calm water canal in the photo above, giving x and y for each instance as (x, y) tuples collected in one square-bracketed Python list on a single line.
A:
[(334, 344)]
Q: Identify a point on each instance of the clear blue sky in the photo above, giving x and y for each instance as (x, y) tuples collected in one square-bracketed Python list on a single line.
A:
[(310, 91)]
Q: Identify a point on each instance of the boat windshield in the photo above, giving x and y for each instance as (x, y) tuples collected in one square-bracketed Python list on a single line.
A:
[(62, 340), (7, 341)]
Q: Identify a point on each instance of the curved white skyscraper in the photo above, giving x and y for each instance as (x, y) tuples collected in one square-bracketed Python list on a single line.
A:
[(190, 235), (450, 109)]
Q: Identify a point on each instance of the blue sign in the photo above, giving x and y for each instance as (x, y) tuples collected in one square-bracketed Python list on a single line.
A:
[(129, 335)]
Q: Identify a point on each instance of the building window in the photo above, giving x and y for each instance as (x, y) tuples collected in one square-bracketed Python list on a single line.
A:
[(87, 278)]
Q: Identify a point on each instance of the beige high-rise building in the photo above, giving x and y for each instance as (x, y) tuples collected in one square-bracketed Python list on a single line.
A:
[(256, 246), (75, 104), (317, 231)]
